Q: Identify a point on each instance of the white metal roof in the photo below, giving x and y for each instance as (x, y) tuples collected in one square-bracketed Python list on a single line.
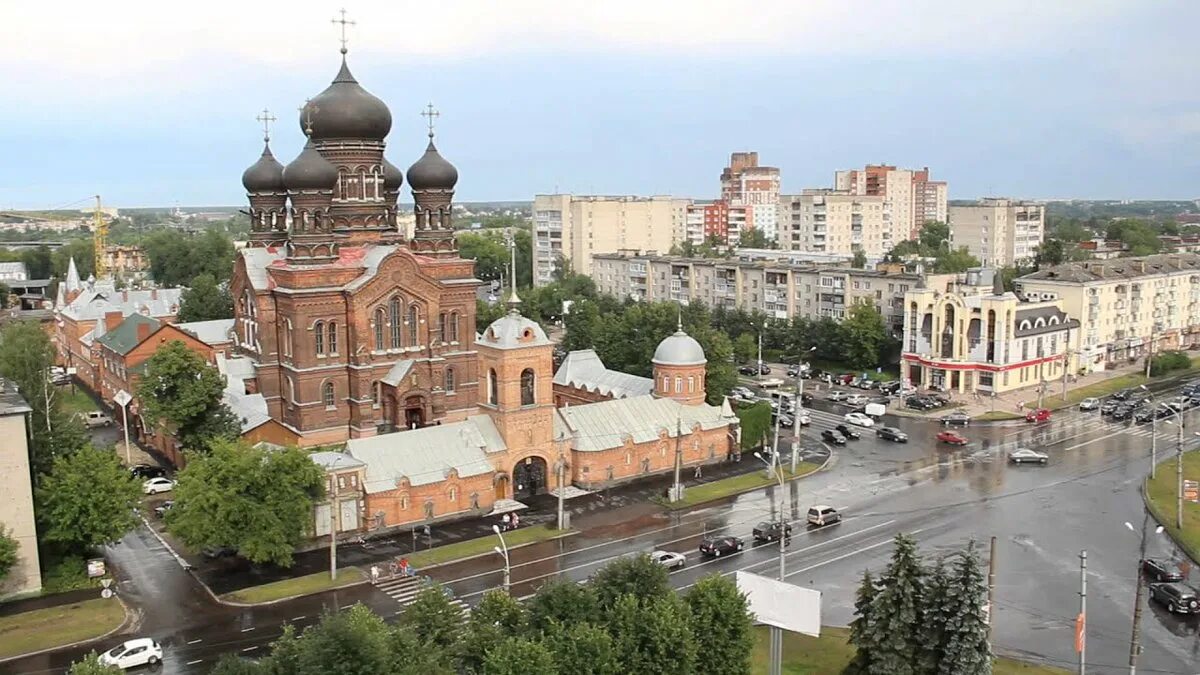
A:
[(605, 425), (585, 370), (427, 455), (210, 332)]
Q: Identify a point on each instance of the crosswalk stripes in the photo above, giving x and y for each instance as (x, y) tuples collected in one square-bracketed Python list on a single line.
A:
[(404, 590)]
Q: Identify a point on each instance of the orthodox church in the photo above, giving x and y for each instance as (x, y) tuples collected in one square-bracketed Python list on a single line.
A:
[(360, 335)]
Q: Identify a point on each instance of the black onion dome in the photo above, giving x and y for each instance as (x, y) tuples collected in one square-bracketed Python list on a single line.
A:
[(310, 171), (432, 171), (346, 110), (265, 175), (393, 177)]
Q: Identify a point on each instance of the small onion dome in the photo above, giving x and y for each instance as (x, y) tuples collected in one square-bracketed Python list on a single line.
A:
[(432, 171), (346, 110), (393, 177), (310, 171), (265, 175), (679, 349)]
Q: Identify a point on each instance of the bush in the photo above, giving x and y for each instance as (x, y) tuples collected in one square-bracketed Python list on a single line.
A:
[(1165, 362), (66, 574)]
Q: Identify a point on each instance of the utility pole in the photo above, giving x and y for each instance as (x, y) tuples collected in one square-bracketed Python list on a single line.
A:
[(1041, 394), (991, 585), (333, 507), (1153, 442), (1135, 641), (562, 488), (1081, 622), (1179, 476), (1066, 366), (759, 373), (677, 489)]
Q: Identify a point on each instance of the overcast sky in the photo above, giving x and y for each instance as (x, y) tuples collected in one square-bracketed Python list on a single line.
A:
[(153, 103)]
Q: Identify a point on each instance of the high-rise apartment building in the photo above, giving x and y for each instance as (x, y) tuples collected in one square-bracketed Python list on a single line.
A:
[(998, 231), (575, 227), (746, 184), (912, 198), (836, 221)]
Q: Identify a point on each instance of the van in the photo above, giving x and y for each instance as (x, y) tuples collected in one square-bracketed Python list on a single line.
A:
[(823, 514), (783, 398), (95, 419)]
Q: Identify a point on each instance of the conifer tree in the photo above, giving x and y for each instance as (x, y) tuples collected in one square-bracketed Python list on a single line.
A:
[(966, 650), (895, 631), (860, 627), (937, 612)]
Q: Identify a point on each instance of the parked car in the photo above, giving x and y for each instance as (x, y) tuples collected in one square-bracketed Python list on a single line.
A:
[(768, 531), (785, 420), (161, 509), (1157, 569), (951, 438), (1178, 598), (793, 371), (804, 420), (669, 559), (1026, 455), (145, 471), (157, 485), (836, 395), (1089, 404), (96, 419), (822, 515), (1122, 394), (806, 398), (749, 371), (891, 434), (856, 399), (919, 403), (720, 546), (133, 653), (742, 393), (1039, 415), (958, 418), (1178, 403), (859, 419), (829, 437), (214, 552), (850, 434)]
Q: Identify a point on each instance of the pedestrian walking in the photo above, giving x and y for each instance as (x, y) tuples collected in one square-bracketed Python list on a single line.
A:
[(516, 521), (504, 522), (374, 574), (404, 567), (698, 472)]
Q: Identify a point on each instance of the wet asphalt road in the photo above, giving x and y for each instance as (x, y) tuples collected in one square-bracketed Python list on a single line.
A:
[(1042, 516)]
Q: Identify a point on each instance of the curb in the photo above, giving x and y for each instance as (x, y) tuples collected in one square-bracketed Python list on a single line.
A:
[(232, 603), (568, 533), (824, 465), (124, 624), (1194, 556)]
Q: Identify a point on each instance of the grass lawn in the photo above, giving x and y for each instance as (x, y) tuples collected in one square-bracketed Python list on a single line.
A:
[(995, 415), (830, 653), (473, 547), (1161, 491), (698, 494), (1097, 390), (54, 626), (77, 402), (306, 585)]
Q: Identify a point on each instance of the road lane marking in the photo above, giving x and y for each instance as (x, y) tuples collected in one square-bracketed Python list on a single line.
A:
[(192, 642), (247, 630), (250, 649), (844, 556), (192, 663), (298, 618)]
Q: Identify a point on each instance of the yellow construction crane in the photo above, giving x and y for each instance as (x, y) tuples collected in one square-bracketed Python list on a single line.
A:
[(100, 239)]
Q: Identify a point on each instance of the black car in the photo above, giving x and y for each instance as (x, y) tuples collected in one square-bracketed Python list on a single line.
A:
[(214, 552), (961, 419), (920, 403), (768, 531), (1139, 400), (806, 398), (891, 434), (721, 546), (1143, 416), (829, 437), (1123, 394), (146, 472), (1122, 413), (749, 371), (1157, 569), (1178, 598), (1109, 406), (1162, 412), (785, 420), (850, 434)]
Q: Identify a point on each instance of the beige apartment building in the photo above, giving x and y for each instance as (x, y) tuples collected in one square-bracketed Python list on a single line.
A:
[(911, 197), (998, 231), (837, 222), (16, 494), (780, 288), (575, 227), (1127, 307)]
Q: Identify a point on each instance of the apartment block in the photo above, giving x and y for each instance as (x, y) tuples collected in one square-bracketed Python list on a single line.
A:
[(1128, 307), (574, 228), (998, 231), (836, 222), (912, 198), (746, 185), (779, 288)]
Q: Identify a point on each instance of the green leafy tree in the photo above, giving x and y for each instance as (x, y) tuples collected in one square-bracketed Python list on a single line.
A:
[(955, 261), (230, 664), (486, 314), (653, 635), (637, 575), (582, 324), (895, 632), (433, 619), (716, 601), (39, 263), (1050, 252), (87, 500), (933, 235), (205, 300), (755, 238), (84, 254), (859, 261), (864, 335), (745, 348), (177, 258), (582, 649), (497, 617), (8, 551), (563, 602), (255, 500), (181, 390), (351, 642), (755, 423), (519, 656), (489, 252), (862, 630), (966, 648), (91, 665)]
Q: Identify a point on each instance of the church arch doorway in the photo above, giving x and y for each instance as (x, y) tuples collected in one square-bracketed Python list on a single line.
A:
[(414, 412), (529, 477), (501, 485)]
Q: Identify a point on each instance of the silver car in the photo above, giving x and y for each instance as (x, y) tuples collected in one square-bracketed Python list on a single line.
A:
[(1025, 455), (668, 559)]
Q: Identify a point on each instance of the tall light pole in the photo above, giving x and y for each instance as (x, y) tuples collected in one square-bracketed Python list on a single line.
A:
[(122, 399), (1178, 466), (799, 406), (1153, 437), (776, 647), (562, 488), (502, 549), (1135, 640)]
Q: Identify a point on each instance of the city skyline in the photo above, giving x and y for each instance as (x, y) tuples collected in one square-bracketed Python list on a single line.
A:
[(155, 106)]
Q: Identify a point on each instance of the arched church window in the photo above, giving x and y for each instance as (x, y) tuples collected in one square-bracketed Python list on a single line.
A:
[(380, 320), (449, 380), (454, 326), (413, 316), (394, 317), (291, 390), (691, 384), (319, 336), (376, 388), (666, 384), (452, 495), (333, 337), (442, 334), (327, 394), (527, 386), (678, 384), (493, 387)]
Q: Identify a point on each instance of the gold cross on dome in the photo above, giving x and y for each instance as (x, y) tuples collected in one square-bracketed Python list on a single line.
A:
[(266, 118), (344, 23), (430, 113)]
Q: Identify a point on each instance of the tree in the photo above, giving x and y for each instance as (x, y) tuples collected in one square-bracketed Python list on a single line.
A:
[(351, 642), (955, 261), (230, 664), (936, 613), (1050, 252), (862, 628), (638, 576), (82, 251), (895, 631), (745, 348), (182, 390), (432, 618), (255, 500), (497, 617), (755, 424), (864, 334), (564, 603), (860, 259), (90, 665), (755, 238), (489, 252), (582, 649), (204, 300), (653, 635), (38, 262), (177, 258), (933, 235), (966, 648), (716, 601), (87, 500), (519, 656), (8, 551)]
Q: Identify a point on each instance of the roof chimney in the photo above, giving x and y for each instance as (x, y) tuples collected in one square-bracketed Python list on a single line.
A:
[(143, 331), (112, 319)]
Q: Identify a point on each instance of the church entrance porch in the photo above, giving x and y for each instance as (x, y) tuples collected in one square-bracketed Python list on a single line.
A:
[(529, 477), (414, 412)]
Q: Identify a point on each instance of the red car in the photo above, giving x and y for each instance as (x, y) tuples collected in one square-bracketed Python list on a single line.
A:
[(952, 438), (1039, 415)]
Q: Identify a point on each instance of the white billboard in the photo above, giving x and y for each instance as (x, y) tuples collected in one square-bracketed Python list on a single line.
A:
[(778, 603)]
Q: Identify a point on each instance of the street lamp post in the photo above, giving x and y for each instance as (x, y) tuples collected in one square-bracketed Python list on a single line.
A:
[(776, 647), (502, 549), (1135, 640), (1178, 466), (799, 406), (1153, 437)]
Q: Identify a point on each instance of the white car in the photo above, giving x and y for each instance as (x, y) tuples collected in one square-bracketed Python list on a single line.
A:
[(804, 420), (95, 419), (669, 559), (1089, 404), (157, 485), (742, 393), (859, 419), (1023, 455), (133, 653), (856, 399), (837, 395)]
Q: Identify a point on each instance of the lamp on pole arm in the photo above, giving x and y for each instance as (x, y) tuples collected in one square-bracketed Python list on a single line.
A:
[(502, 549), (799, 405), (1135, 640), (776, 648)]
